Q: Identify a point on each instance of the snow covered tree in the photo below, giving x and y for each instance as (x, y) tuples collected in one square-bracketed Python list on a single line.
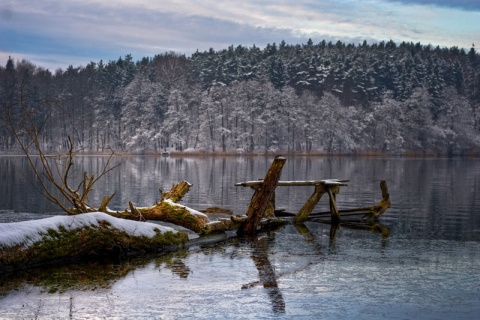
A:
[(384, 124), (417, 122), (138, 115)]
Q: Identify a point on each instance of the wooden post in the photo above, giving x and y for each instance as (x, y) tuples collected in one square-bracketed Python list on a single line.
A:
[(385, 203), (262, 196), (270, 211), (333, 206), (307, 208)]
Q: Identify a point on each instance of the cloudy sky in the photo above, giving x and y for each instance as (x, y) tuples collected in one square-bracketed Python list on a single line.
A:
[(57, 33)]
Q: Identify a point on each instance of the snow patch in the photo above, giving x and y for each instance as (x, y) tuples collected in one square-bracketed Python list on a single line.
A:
[(28, 232)]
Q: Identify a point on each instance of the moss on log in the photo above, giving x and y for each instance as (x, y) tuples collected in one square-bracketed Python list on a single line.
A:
[(90, 242)]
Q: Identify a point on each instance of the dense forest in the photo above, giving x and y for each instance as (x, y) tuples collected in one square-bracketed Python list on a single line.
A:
[(323, 97)]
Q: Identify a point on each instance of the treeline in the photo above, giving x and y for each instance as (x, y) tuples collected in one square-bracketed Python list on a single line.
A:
[(324, 97)]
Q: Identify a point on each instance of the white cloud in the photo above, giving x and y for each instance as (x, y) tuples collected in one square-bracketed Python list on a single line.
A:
[(94, 29)]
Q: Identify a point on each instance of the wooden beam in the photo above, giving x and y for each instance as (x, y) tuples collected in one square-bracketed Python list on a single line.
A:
[(262, 196), (385, 203), (333, 206), (330, 182), (308, 207)]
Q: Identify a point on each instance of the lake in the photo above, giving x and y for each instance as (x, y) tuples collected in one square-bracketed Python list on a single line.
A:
[(427, 268)]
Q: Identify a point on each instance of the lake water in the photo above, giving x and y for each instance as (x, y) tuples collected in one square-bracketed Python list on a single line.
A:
[(427, 268)]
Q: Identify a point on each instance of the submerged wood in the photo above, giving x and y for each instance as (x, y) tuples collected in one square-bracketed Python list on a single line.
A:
[(333, 206), (331, 187)]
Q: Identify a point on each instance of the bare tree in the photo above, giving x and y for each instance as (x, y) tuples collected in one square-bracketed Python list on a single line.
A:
[(56, 170), (26, 124)]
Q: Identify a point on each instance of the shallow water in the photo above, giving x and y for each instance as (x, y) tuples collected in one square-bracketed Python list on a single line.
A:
[(428, 268)]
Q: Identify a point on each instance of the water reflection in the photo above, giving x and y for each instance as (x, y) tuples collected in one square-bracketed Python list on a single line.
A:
[(437, 198), (176, 264), (297, 271), (86, 276), (266, 272), (422, 261)]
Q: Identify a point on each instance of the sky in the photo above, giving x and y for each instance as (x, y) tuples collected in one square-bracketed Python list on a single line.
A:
[(57, 33)]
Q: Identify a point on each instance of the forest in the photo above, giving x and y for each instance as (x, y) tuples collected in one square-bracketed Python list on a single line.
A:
[(306, 98)]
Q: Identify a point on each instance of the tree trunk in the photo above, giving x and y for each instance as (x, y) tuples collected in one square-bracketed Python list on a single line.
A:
[(262, 196)]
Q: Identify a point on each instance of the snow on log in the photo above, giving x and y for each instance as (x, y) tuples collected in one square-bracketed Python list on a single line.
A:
[(167, 210), (63, 238)]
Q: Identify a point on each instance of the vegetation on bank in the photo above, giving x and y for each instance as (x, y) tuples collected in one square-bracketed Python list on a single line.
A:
[(315, 97)]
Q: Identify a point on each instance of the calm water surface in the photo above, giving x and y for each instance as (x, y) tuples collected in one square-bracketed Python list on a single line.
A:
[(428, 268)]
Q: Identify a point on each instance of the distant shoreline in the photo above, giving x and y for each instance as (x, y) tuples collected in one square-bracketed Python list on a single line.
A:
[(177, 154)]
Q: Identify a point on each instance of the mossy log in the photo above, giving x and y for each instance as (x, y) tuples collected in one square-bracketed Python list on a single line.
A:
[(99, 236), (167, 210)]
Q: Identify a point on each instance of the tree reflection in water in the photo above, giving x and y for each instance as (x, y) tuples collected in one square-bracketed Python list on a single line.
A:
[(266, 272), (72, 279)]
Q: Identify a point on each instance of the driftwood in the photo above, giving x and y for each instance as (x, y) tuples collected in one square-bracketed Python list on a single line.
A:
[(330, 187), (166, 210)]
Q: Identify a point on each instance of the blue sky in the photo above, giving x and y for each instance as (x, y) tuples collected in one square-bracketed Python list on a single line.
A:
[(56, 33)]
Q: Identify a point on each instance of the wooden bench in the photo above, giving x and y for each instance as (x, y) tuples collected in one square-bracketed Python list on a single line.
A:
[(329, 186)]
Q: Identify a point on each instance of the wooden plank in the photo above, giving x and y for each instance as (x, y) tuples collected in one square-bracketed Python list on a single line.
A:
[(330, 182)]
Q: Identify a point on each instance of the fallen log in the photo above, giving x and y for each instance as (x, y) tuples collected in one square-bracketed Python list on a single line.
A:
[(96, 235), (167, 210)]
